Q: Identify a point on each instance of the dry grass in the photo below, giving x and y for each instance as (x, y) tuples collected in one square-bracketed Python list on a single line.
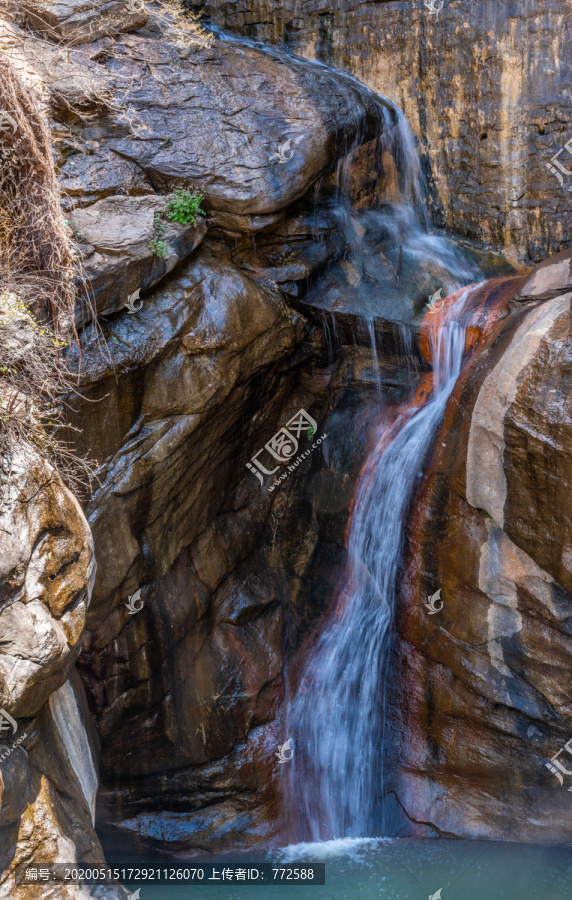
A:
[(38, 272), (33, 382), (39, 267), (36, 254)]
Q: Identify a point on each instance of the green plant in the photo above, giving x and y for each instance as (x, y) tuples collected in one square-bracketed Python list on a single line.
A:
[(159, 249), (183, 207), (157, 244), (166, 143)]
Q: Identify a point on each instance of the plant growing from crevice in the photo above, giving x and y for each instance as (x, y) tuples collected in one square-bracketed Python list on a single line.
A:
[(157, 244), (184, 206)]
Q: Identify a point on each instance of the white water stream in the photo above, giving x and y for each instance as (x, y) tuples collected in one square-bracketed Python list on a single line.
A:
[(336, 777)]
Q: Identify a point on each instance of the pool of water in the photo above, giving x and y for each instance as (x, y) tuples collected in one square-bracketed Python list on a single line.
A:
[(400, 869)]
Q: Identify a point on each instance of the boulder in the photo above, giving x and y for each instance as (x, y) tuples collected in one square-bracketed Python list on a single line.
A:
[(82, 21), (492, 528), (116, 236), (47, 568), (275, 123)]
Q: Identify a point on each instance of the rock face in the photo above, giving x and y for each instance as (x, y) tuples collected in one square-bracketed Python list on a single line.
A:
[(205, 576), (493, 529), (117, 235), (212, 364), (175, 517), (47, 569), (488, 128), (48, 749), (78, 21)]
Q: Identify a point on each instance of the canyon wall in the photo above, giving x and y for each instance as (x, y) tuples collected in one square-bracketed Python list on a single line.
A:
[(196, 362), (482, 692), (207, 583), (484, 84)]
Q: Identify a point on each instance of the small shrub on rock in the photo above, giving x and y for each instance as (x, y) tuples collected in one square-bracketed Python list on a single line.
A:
[(184, 207)]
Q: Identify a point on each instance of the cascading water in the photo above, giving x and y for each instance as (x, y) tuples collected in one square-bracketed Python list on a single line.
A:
[(336, 716), (335, 782)]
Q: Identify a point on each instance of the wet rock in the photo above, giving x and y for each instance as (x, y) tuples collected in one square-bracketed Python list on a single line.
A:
[(492, 528), (78, 21), (175, 516), (87, 177), (258, 101), (117, 235), (487, 143)]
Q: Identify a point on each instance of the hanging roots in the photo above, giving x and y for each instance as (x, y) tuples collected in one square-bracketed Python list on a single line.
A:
[(37, 290), (36, 254)]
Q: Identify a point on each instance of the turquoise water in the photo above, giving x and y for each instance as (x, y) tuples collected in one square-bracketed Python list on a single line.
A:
[(402, 869)]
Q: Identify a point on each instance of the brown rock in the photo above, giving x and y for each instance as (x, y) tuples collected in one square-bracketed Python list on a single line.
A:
[(492, 528)]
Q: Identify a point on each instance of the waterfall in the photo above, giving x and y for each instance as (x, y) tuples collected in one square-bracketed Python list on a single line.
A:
[(335, 782), (336, 777), (71, 727)]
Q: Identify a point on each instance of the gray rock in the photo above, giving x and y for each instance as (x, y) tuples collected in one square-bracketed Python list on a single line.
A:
[(82, 21), (119, 259), (15, 783), (47, 570), (551, 278), (86, 178)]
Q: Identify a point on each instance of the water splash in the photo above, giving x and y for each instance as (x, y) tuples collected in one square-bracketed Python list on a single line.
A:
[(337, 715)]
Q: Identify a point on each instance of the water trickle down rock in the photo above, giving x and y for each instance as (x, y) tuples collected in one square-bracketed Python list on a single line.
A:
[(493, 528)]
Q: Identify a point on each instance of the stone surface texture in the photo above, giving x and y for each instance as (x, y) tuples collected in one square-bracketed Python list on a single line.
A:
[(493, 529), (486, 88)]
